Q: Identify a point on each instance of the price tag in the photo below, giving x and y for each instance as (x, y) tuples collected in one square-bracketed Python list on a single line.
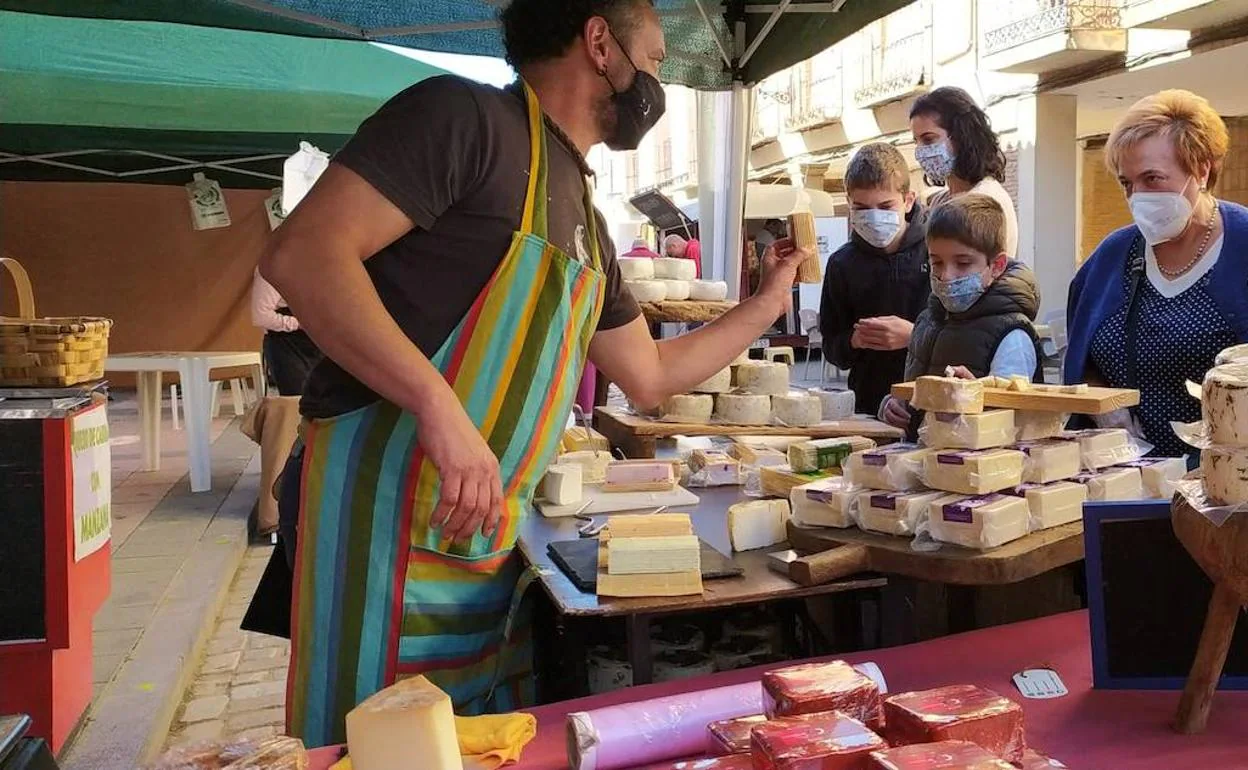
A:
[(1040, 684)]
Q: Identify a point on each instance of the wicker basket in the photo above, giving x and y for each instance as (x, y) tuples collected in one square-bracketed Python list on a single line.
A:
[(48, 352)]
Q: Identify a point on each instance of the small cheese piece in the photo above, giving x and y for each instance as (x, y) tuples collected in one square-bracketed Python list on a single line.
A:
[(948, 394), (1019, 383), (837, 404), (831, 502), (1052, 505), (806, 456), (757, 455), (708, 291), (653, 555), (713, 468), (1159, 474), (894, 513), (978, 522), (675, 290), (945, 755), (1232, 355), (636, 268), (757, 524), (797, 409), (1050, 460), (640, 476), (1103, 447), (1113, 484), (974, 473), (719, 382), (410, 718), (647, 291), (593, 464), (769, 378), (986, 430), (1225, 470), (895, 466), (675, 269), (647, 525), (1032, 425), (579, 439), (693, 408), (1224, 401), (743, 408), (562, 485)]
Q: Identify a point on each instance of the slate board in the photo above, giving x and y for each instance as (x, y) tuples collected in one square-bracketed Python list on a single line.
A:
[(579, 561)]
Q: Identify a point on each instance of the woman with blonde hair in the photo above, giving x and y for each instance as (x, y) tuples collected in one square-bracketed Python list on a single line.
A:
[(1157, 300)]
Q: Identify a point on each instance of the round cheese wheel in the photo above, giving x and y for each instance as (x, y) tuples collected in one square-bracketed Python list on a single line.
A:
[(719, 382), (708, 291), (1232, 354), (675, 269), (647, 291), (1224, 401), (676, 290), (636, 268), (743, 408), (688, 407), (797, 409), (766, 378), (1225, 470), (837, 404)]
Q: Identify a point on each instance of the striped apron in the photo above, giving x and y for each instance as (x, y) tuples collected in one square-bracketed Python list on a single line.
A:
[(378, 594)]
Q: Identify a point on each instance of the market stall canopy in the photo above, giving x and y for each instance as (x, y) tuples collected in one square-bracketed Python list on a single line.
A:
[(776, 201), (710, 43), (106, 97)]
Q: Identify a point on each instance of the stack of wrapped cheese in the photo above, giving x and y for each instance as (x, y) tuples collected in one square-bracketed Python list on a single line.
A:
[(667, 279), (1224, 405)]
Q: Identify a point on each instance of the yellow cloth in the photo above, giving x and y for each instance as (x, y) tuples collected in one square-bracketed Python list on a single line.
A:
[(489, 741)]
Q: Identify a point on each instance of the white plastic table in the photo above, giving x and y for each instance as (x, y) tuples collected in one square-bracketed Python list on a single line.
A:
[(193, 368)]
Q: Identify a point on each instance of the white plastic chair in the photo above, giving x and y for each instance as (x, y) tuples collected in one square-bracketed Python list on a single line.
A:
[(809, 320), (241, 394)]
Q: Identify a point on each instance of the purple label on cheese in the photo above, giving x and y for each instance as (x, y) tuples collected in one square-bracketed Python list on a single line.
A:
[(880, 456), (946, 416), (819, 495), (961, 511), (952, 458), (887, 502)]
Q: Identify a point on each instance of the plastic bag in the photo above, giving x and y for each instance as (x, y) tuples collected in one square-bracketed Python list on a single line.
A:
[(1193, 491), (993, 428), (978, 522), (973, 472), (299, 172), (831, 502), (280, 753), (894, 513), (896, 467)]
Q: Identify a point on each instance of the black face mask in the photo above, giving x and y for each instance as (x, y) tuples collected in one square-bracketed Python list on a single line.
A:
[(637, 108)]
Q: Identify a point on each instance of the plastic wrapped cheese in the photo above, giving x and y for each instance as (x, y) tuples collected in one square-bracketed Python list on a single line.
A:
[(957, 712), (675, 290), (708, 291), (757, 524), (1031, 425), (636, 268), (1052, 505), (894, 513), (732, 736), (1225, 470), (1232, 355), (675, 269), (797, 409), (948, 394), (896, 466), (1159, 474), (410, 718), (1034, 760), (647, 291), (828, 741), (1224, 402), (1113, 484), (1050, 460), (1103, 447), (743, 408), (811, 688), (693, 408), (768, 378), (820, 453), (973, 473), (280, 753), (980, 522), (719, 382), (830, 502), (713, 468), (945, 755), (943, 430)]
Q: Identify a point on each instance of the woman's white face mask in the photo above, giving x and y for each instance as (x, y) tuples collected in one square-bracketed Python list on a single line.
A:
[(1161, 216)]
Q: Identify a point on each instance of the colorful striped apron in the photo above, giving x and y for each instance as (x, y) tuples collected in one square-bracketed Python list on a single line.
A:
[(378, 594)]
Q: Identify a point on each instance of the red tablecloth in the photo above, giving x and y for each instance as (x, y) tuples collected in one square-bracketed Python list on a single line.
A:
[(1088, 730)]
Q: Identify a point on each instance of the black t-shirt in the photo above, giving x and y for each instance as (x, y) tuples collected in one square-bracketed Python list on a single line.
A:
[(454, 156)]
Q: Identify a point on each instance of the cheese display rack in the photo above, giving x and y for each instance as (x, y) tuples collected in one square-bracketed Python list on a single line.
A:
[(1089, 401)]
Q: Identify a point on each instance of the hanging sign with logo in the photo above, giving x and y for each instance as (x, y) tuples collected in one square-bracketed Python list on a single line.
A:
[(208, 211), (91, 465), (273, 208)]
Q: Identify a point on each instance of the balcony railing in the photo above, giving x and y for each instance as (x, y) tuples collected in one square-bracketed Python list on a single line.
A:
[(1034, 19), (894, 70), (814, 102)]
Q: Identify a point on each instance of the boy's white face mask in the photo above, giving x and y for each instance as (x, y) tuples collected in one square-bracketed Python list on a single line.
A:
[(1161, 216), (877, 227)]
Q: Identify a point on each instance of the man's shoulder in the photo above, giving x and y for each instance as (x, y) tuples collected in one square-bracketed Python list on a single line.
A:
[(450, 94)]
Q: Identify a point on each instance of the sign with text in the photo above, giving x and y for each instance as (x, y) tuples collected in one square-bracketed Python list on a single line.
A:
[(91, 465)]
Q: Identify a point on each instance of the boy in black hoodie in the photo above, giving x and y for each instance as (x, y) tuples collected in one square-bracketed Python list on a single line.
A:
[(877, 284)]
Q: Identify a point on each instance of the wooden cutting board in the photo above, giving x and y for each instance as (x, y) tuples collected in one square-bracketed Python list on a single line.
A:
[(614, 502), (1091, 401)]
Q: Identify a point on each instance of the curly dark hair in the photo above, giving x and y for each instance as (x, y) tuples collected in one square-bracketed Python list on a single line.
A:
[(538, 30), (978, 154)]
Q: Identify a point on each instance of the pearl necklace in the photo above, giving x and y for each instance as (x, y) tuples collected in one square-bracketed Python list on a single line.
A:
[(1200, 252)]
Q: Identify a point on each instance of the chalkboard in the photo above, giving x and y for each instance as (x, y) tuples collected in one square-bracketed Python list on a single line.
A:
[(22, 591), (1147, 600)]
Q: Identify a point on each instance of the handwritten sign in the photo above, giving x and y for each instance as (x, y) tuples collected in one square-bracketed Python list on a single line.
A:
[(91, 464)]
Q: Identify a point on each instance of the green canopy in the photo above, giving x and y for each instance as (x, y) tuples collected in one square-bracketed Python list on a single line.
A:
[(117, 99)]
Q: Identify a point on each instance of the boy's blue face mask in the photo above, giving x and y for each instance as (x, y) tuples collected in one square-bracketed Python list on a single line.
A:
[(959, 294)]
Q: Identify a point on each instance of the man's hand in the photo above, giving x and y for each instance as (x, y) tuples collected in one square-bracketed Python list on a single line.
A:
[(472, 492), (882, 333), (962, 373), (895, 413), (780, 263)]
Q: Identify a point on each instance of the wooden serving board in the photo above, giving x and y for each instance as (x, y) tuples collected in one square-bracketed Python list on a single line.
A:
[(684, 311), (838, 553), (614, 502), (1091, 401)]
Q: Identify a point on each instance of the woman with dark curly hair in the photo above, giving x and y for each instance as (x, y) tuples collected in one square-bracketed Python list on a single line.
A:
[(957, 149)]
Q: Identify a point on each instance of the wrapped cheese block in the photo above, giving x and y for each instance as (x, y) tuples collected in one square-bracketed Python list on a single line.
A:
[(410, 718), (675, 290), (945, 755), (593, 464), (831, 741), (695, 408), (1030, 425), (732, 736), (980, 522), (757, 524), (1034, 760), (1231, 355), (1159, 474), (894, 513), (1224, 402), (896, 466), (713, 468), (974, 473), (708, 291), (743, 408), (797, 409), (1050, 460), (562, 484), (943, 430), (278, 753), (640, 476), (768, 378), (636, 268), (837, 404), (647, 291), (757, 455), (719, 382), (829, 502), (779, 480), (812, 688), (1113, 484), (1052, 505), (823, 453), (948, 394), (1103, 447), (675, 269), (959, 712), (730, 762), (1225, 470)]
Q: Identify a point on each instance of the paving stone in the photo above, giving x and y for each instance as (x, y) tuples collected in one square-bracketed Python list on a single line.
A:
[(203, 709), (112, 618), (258, 690), (210, 684), (261, 665), (149, 564), (254, 677), (200, 731), (245, 705), (256, 641), (227, 644), (240, 722), (262, 653), (215, 664), (119, 642), (104, 666)]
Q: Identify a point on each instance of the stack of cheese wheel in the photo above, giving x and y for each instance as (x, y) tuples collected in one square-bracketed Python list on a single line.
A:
[(1224, 465), (676, 276)]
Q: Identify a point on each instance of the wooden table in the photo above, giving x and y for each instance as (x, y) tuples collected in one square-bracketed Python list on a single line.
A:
[(638, 436), (684, 311), (758, 584)]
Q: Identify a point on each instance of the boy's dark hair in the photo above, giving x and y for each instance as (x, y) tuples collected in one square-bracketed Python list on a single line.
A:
[(973, 220), (539, 30), (878, 166), (978, 153)]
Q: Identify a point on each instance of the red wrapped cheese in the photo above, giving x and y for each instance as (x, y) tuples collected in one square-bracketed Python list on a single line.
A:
[(734, 762), (946, 755), (1034, 760), (831, 741), (960, 712), (732, 736), (813, 688)]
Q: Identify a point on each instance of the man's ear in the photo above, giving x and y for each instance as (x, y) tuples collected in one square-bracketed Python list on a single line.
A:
[(597, 35), (908, 201), (999, 264)]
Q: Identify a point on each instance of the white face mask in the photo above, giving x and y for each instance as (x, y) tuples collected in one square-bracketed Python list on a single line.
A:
[(877, 227), (936, 160), (1161, 216)]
